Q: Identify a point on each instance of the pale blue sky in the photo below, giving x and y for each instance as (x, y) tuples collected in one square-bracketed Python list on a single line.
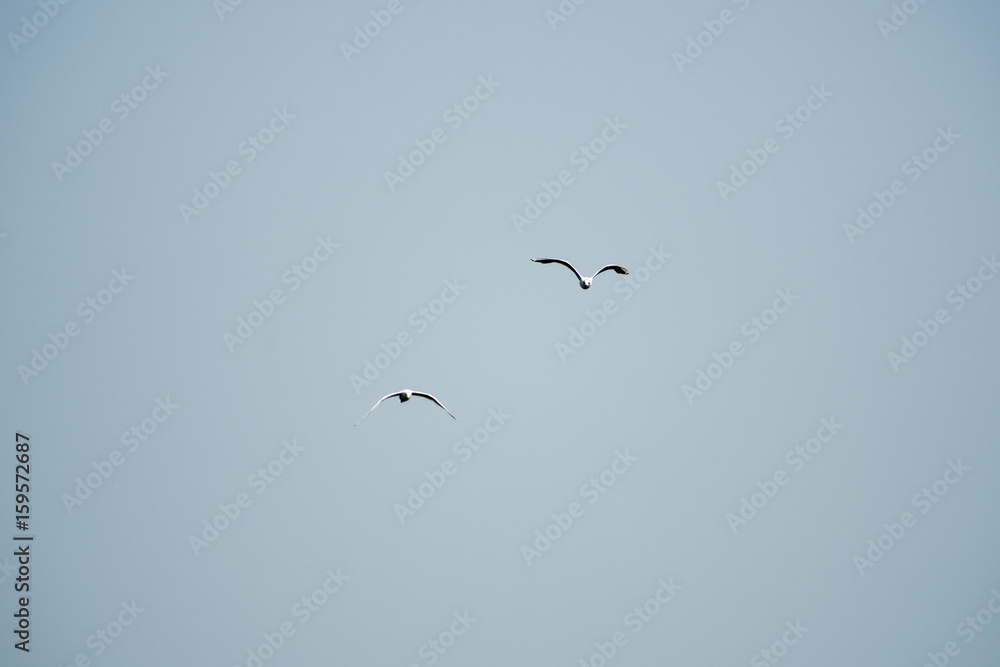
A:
[(318, 190)]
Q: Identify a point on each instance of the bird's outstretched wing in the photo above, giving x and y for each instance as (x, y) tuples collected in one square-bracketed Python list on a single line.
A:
[(377, 404), (569, 266), (613, 267), (426, 395)]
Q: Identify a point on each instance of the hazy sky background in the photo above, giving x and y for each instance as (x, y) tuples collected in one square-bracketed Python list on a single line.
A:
[(497, 345)]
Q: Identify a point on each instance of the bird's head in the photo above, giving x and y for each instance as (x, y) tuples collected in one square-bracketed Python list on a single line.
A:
[(585, 283), (405, 396)]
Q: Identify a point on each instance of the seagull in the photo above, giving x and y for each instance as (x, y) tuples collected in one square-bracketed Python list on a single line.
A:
[(404, 396), (584, 282)]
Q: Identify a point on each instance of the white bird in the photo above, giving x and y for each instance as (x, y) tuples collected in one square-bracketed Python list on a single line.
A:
[(404, 396), (584, 282)]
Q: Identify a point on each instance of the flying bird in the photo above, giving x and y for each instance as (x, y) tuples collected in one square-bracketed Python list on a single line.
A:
[(584, 282), (404, 396)]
